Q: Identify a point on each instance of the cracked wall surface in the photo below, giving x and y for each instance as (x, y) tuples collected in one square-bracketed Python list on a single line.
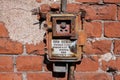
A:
[(16, 14)]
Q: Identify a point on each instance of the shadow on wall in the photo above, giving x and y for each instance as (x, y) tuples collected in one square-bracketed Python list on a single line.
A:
[(49, 66)]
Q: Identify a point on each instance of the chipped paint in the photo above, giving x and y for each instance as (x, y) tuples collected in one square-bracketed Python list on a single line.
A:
[(16, 15)]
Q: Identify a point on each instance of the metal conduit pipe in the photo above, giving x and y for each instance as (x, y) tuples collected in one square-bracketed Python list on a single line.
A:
[(63, 6)]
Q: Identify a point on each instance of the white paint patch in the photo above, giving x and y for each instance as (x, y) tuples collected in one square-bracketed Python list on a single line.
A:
[(16, 14), (96, 39), (107, 57)]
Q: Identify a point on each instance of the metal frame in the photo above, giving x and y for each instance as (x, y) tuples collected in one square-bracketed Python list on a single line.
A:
[(51, 20)]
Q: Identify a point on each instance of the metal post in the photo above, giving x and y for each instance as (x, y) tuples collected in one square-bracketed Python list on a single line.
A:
[(71, 69), (63, 5)]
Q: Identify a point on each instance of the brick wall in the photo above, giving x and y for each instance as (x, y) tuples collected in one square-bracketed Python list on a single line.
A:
[(101, 59)]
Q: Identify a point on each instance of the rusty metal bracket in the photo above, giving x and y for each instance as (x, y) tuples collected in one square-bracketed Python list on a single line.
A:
[(63, 29)]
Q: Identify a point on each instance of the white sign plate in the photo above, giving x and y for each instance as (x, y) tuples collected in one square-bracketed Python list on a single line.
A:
[(61, 47)]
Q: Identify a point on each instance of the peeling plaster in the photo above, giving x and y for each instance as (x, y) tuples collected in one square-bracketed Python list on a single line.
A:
[(16, 14), (107, 57)]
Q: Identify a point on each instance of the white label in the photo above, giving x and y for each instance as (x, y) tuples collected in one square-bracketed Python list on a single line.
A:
[(61, 47)]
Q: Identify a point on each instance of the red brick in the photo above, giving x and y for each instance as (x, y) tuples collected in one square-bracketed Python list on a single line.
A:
[(29, 63), (87, 1), (112, 1), (45, 8), (35, 49), (98, 47), (100, 12), (118, 13), (39, 1), (117, 47), (55, 6), (73, 8), (6, 63), (3, 30), (111, 65), (93, 29), (88, 64), (64, 78), (8, 46), (10, 76), (112, 29), (40, 76), (117, 77), (93, 76)]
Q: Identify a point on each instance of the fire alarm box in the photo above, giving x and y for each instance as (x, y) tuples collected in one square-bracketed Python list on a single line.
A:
[(65, 37)]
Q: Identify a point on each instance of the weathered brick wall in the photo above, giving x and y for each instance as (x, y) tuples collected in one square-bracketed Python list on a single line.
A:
[(101, 60)]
